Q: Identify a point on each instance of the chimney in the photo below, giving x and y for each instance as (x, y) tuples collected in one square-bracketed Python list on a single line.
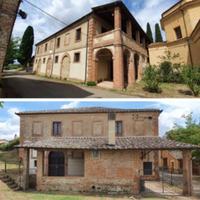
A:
[(111, 128)]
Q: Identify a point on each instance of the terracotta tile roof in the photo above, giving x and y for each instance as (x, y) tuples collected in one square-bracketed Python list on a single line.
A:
[(88, 110), (135, 143)]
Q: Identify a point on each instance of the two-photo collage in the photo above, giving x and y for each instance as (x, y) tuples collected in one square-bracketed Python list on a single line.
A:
[(99, 99)]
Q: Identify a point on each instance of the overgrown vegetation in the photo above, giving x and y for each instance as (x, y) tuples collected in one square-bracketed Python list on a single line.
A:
[(10, 145), (91, 83), (151, 79), (189, 133)]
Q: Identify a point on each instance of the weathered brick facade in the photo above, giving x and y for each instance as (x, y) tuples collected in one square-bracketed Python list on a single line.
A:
[(8, 11)]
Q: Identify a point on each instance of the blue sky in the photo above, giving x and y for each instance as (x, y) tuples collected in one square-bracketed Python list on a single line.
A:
[(173, 111), (69, 10)]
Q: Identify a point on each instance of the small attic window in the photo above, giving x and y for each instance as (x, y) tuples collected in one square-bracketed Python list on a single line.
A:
[(95, 154), (150, 118)]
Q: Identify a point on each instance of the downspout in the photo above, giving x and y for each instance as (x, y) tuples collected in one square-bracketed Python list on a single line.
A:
[(188, 40), (86, 62)]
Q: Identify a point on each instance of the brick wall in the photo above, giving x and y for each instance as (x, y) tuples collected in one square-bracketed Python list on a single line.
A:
[(7, 18)]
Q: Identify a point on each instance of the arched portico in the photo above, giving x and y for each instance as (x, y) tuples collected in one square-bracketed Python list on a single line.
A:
[(104, 65), (65, 67), (49, 67)]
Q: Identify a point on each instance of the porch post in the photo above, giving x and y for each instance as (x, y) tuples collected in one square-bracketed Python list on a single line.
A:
[(187, 173), (118, 60), (46, 155), (25, 184), (40, 167), (131, 70)]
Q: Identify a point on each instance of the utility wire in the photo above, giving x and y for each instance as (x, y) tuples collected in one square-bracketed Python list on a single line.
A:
[(48, 14)]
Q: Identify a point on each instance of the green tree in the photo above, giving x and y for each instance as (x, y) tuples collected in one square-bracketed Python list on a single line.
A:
[(151, 79), (12, 52), (191, 76), (158, 35), (149, 32), (1, 104), (26, 46), (189, 133)]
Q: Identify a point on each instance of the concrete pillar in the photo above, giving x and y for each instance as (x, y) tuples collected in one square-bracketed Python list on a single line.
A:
[(118, 57), (131, 70), (40, 167), (129, 28), (26, 155), (91, 34), (46, 163), (156, 165), (187, 173)]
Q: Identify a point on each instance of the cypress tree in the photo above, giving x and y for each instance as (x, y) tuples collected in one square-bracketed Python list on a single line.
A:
[(26, 46), (149, 32), (158, 35)]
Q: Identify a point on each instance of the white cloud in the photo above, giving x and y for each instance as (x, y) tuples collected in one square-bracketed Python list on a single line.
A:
[(10, 127), (74, 104)]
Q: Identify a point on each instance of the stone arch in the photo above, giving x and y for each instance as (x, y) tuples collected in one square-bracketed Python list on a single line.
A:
[(127, 56), (39, 66), (56, 163), (104, 65), (136, 64), (49, 67), (65, 67)]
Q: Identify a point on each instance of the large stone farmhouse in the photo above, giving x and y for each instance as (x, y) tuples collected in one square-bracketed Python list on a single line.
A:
[(181, 24), (107, 45), (95, 149)]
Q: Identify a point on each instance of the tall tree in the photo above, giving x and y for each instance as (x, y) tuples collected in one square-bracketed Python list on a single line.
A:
[(158, 35), (149, 32), (12, 52), (26, 47)]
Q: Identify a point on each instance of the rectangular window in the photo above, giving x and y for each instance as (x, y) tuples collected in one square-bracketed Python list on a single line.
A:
[(56, 59), (35, 163), (44, 60), (178, 32), (56, 129), (147, 168), (58, 43), (46, 46), (95, 154), (118, 128), (77, 57), (38, 50), (37, 128), (67, 39), (78, 34), (111, 116)]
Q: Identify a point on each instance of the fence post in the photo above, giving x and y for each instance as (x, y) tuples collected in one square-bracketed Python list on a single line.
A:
[(5, 167)]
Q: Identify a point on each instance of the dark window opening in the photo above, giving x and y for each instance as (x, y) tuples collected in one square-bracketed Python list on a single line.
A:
[(103, 29), (178, 32), (78, 34), (77, 57), (46, 46), (56, 59), (147, 168), (35, 163), (180, 163), (56, 129), (111, 116), (44, 60), (58, 43), (56, 164), (119, 128), (134, 35)]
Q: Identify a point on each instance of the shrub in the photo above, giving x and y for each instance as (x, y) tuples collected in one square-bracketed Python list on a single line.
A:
[(177, 73), (151, 79), (10, 146), (166, 71), (191, 76), (91, 83)]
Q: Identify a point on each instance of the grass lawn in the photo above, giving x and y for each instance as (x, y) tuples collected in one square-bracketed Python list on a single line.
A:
[(169, 90)]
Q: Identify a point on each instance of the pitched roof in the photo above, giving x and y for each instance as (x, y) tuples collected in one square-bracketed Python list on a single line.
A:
[(88, 110), (101, 143)]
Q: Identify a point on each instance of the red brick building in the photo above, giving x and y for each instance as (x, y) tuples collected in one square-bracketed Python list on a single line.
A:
[(95, 149)]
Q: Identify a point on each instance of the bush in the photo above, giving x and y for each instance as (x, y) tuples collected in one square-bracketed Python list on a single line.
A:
[(91, 83), (151, 79), (177, 73), (166, 71), (10, 146), (191, 76)]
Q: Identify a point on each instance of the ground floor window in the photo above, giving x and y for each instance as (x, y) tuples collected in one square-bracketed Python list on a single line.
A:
[(147, 168)]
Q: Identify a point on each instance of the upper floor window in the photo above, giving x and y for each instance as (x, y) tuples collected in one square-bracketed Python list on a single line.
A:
[(46, 46), (56, 129), (67, 39), (178, 32), (78, 34), (77, 57), (44, 60), (58, 43), (56, 59), (118, 128), (38, 50)]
